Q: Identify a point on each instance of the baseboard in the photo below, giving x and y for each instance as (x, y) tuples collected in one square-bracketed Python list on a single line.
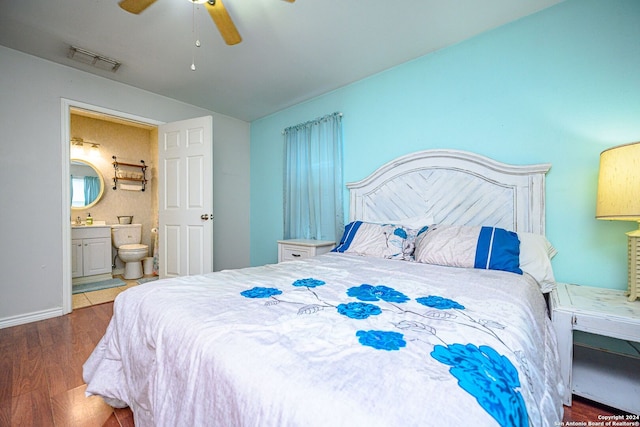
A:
[(21, 319)]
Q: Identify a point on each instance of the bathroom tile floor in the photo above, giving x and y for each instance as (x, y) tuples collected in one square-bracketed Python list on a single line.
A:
[(104, 295)]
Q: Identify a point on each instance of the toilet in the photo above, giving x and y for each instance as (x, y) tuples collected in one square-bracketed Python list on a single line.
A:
[(126, 239)]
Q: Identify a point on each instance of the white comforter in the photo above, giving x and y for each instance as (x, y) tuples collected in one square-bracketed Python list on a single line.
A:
[(467, 347)]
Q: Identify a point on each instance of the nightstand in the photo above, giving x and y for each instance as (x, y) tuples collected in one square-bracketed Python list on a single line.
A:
[(294, 249), (598, 333)]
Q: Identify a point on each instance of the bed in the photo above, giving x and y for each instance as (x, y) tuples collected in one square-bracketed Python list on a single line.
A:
[(394, 327)]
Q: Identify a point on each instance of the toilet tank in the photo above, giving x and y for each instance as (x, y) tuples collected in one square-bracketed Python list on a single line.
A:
[(125, 234)]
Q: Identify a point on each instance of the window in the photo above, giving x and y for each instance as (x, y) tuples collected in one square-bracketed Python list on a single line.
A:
[(313, 206), (77, 191)]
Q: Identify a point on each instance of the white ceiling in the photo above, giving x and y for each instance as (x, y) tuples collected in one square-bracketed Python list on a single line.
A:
[(290, 52)]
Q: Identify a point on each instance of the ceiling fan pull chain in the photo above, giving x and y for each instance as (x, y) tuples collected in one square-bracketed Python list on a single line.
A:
[(195, 23), (194, 31)]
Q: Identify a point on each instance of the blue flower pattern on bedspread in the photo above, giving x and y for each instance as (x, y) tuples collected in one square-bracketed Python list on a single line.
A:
[(381, 340), (309, 283), (439, 302), (366, 292), (259, 292), (489, 377), (358, 310), (481, 371)]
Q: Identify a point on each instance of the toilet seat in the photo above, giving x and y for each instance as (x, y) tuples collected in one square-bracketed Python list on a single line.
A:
[(133, 247)]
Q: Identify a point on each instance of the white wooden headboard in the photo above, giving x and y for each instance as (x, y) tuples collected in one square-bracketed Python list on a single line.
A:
[(453, 187)]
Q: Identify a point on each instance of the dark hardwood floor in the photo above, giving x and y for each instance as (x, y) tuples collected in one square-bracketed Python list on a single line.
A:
[(41, 375), (41, 372)]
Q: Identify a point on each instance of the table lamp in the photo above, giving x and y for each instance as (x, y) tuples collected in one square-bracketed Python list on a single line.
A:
[(619, 199)]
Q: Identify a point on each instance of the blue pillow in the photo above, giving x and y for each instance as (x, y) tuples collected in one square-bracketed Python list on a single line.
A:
[(498, 249), (350, 231)]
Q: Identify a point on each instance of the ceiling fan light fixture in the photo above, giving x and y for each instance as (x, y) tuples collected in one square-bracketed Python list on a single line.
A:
[(216, 10)]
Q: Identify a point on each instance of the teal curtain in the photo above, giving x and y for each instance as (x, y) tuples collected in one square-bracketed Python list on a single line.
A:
[(91, 189), (71, 189), (313, 207)]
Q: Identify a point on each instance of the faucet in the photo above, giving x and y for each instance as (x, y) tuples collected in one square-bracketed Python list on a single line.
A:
[(78, 221)]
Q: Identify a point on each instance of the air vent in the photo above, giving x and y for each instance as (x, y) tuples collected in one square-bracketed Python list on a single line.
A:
[(94, 59)]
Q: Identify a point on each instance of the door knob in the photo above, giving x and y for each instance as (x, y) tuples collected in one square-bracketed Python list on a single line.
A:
[(204, 217)]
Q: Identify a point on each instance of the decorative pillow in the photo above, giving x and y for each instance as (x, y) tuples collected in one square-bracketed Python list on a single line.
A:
[(535, 258), (488, 248), (414, 222), (377, 240)]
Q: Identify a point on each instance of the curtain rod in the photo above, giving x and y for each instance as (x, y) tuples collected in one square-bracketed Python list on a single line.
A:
[(314, 121)]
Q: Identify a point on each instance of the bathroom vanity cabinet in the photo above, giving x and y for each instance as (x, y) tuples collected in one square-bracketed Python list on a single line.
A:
[(90, 254)]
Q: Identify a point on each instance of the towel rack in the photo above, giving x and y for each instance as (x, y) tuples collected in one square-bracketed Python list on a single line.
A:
[(125, 174)]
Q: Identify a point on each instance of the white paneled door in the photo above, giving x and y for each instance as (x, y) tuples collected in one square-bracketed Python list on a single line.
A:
[(185, 197)]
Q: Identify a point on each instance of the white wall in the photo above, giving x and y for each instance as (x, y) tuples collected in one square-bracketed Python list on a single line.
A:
[(31, 163), (231, 212)]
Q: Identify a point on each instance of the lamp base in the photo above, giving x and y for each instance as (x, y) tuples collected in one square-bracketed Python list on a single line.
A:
[(633, 282)]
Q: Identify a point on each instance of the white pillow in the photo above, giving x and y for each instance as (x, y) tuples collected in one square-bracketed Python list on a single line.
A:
[(488, 248), (535, 258)]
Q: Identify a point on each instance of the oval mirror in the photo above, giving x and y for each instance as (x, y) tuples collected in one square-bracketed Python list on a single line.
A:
[(87, 184)]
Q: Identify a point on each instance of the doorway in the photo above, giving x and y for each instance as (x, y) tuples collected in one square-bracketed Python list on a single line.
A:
[(132, 200)]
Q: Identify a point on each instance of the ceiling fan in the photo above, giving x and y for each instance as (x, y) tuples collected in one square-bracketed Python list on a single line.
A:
[(216, 9)]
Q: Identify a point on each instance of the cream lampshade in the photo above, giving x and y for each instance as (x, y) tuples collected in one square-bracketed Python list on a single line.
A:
[(619, 199)]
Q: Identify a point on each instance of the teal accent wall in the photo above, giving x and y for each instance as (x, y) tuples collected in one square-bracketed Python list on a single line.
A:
[(558, 86)]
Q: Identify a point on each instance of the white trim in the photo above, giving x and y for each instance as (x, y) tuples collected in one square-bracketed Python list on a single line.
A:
[(65, 137), (35, 316), (109, 112), (453, 187)]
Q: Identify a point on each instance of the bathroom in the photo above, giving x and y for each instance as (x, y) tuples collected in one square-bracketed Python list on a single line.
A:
[(100, 137)]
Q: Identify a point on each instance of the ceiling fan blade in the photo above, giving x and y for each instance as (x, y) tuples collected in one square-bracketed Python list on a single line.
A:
[(223, 21), (290, 1), (135, 6)]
